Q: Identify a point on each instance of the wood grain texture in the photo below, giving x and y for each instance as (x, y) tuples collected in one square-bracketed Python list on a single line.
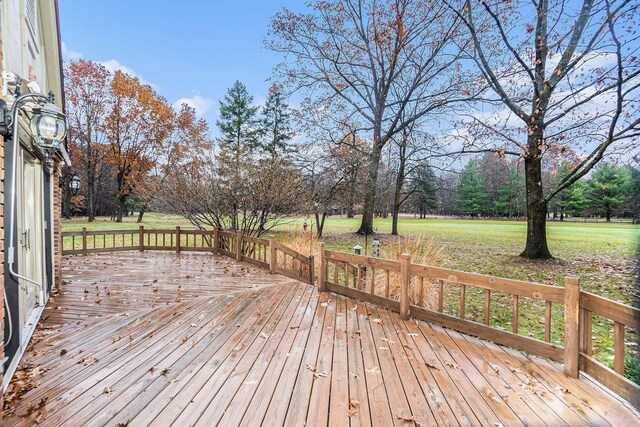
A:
[(200, 339)]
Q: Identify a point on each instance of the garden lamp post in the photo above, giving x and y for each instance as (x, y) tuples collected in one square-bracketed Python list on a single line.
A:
[(357, 249)]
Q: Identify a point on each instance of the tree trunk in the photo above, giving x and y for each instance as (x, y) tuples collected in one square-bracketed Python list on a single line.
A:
[(66, 203), (91, 211), (608, 215), (320, 223), (398, 188), (120, 209), (536, 245), (143, 209), (366, 226)]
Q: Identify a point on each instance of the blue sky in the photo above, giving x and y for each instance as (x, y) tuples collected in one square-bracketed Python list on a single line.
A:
[(193, 49)]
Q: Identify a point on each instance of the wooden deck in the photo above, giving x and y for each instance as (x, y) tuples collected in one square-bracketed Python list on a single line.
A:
[(159, 339)]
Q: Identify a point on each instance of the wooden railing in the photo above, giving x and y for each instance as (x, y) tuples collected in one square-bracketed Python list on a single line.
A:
[(458, 300), (264, 253)]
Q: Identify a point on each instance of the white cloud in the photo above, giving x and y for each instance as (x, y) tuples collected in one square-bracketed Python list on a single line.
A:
[(114, 65), (201, 104), (70, 55)]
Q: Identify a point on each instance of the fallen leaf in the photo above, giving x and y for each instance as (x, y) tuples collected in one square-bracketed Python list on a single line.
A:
[(353, 407), (63, 352), (107, 390), (88, 361), (429, 365), (406, 418)]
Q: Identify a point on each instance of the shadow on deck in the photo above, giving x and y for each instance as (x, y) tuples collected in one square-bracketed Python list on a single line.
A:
[(159, 339)]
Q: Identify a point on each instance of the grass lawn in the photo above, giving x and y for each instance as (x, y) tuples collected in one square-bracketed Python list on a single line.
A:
[(604, 256)]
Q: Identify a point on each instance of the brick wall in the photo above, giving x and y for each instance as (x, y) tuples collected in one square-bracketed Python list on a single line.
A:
[(57, 225)]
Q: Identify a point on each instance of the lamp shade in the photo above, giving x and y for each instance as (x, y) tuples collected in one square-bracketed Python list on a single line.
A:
[(48, 126)]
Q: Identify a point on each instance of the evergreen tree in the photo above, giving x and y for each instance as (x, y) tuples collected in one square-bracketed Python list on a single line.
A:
[(276, 125), (239, 129), (570, 200), (238, 122), (510, 201), (607, 189), (472, 193), (634, 193), (425, 189)]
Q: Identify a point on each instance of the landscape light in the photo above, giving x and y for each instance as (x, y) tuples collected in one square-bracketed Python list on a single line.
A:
[(357, 249)]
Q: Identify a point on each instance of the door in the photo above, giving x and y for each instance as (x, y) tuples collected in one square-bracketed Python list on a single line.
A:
[(30, 235)]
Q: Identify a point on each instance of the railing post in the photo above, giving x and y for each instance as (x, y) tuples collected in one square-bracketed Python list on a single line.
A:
[(312, 270), (238, 246), (405, 260), (84, 241), (177, 239), (216, 240), (141, 243), (571, 325), (322, 274), (272, 254)]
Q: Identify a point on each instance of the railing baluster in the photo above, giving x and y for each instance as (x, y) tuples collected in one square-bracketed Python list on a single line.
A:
[(618, 346), (372, 290), (586, 332), (421, 291), (463, 297), (487, 307), (547, 321), (514, 316), (386, 289), (440, 296)]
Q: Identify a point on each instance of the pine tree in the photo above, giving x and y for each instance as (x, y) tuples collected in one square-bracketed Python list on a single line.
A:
[(426, 189), (276, 125), (634, 193), (607, 188), (238, 122), (472, 192), (510, 201), (240, 129)]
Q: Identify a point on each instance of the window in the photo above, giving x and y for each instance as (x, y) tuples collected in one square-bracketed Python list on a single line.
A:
[(31, 16)]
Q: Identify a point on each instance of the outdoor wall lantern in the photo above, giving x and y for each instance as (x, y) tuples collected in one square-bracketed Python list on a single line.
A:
[(48, 128), (376, 247), (47, 123), (74, 184), (357, 249)]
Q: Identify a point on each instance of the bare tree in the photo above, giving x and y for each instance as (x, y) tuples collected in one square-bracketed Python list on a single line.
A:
[(377, 60), (565, 75)]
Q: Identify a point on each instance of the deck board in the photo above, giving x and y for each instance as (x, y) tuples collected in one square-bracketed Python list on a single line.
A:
[(199, 339)]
